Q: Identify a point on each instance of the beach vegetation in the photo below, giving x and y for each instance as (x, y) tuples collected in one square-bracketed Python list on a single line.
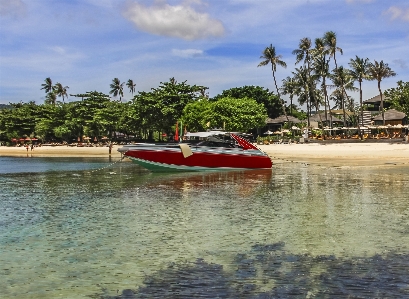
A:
[(194, 115), (379, 71), (117, 88), (153, 114), (399, 97), (238, 115), (261, 95), (270, 56), (359, 72)]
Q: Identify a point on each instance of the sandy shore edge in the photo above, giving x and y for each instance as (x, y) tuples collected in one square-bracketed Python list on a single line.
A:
[(347, 154)]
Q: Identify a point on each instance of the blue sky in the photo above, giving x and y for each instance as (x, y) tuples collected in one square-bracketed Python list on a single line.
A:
[(84, 44)]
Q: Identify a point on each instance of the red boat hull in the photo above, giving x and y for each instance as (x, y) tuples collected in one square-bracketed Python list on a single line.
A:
[(200, 160)]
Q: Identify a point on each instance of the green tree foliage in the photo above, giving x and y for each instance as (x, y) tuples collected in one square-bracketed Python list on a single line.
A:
[(19, 120), (117, 88), (269, 100), (160, 108), (379, 71), (399, 97), (236, 114), (270, 56), (194, 115)]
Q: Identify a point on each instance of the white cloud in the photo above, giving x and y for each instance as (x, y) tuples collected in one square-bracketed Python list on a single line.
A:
[(180, 21), (15, 8), (398, 13), (187, 53)]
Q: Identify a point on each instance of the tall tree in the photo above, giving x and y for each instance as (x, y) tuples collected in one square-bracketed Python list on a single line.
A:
[(47, 85), (51, 98), (304, 53), (330, 42), (342, 81), (321, 69), (359, 72), (61, 91), (131, 86), (289, 87), (270, 56), (117, 88), (378, 71)]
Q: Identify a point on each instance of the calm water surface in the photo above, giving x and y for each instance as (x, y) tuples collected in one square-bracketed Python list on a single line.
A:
[(68, 231)]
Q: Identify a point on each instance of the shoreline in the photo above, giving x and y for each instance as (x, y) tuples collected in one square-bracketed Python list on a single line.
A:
[(330, 154), (59, 151), (340, 154)]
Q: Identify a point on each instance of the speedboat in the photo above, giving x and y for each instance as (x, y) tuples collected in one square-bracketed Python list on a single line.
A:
[(216, 151)]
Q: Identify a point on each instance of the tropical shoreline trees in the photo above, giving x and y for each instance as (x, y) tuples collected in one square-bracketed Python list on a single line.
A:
[(153, 114)]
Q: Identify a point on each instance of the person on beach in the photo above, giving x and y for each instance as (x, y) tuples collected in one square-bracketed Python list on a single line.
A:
[(110, 148), (27, 148), (32, 147)]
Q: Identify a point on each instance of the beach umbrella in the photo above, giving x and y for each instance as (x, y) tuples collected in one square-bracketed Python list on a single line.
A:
[(268, 132), (27, 139)]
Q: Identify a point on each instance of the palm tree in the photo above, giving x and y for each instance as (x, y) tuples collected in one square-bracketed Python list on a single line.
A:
[(302, 88), (131, 86), (342, 81), (48, 85), (60, 90), (379, 71), (321, 69), (51, 98), (359, 72), (330, 42), (270, 56), (289, 87), (304, 53), (117, 88)]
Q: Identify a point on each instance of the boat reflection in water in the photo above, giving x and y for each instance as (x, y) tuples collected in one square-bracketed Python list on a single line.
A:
[(244, 182)]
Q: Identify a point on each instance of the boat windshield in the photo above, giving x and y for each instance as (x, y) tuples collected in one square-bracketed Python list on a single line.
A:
[(212, 143)]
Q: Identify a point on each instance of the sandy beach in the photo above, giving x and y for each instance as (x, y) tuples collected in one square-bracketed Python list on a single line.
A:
[(59, 151), (346, 154)]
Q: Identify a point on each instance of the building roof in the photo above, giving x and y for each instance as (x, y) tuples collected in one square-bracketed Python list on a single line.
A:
[(282, 119), (376, 99), (316, 117), (391, 114)]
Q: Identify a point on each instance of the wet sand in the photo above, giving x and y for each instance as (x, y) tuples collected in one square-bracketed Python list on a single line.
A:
[(346, 154)]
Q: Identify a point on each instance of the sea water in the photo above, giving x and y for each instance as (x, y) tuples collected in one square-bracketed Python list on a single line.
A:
[(87, 228)]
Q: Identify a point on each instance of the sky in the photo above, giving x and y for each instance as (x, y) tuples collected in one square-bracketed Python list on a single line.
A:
[(84, 44)]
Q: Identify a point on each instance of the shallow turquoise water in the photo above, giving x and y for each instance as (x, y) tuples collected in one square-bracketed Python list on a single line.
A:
[(297, 231)]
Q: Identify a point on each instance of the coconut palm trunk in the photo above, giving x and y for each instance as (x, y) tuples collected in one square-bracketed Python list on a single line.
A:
[(270, 56)]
